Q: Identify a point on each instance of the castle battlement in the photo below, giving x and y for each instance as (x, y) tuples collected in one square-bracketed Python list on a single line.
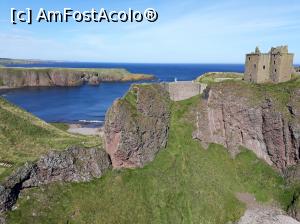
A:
[(275, 66)]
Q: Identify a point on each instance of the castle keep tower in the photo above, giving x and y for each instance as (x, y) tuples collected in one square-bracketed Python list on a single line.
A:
[(275, 66)]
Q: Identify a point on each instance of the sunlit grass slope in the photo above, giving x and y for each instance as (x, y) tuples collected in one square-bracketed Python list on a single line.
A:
[(24, 137)]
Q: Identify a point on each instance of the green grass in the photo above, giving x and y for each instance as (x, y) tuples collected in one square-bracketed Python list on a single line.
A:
[(24, 137), (184, 184), (2, 171), (212, 77), (61, 126)]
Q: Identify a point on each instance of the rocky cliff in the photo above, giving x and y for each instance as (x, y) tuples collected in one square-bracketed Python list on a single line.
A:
[(73, 165), (136, 126), (262, 118), (33, 77)]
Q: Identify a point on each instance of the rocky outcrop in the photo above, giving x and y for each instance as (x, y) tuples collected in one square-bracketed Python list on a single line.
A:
[(266, 216), (33, 77), (10, 189), (233, 115), (73, 165), (136, 126)]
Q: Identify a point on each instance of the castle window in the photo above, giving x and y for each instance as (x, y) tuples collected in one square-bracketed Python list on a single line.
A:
[(275, 70), (274, 62), (249, 58), (264, 67), (254, 65)]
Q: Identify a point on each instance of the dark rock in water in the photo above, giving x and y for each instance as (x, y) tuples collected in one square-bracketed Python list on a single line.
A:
[(73, 165), (136, 126), (233, 116)]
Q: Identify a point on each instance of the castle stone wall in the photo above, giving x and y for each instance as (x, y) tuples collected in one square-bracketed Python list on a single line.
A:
[(263, 69), (251, 67), (276, 66), (282, 67), (184, 89)]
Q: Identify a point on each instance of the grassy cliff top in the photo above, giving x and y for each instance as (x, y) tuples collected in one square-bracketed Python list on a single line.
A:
[(24, 137), (114, 72), (212, 77), (279, 93), (184, 184), (7, 61)]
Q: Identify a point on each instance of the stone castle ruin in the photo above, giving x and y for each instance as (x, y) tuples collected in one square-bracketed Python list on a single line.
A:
[(274, 67)]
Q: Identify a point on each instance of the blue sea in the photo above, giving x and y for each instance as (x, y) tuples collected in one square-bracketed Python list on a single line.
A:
[(88, 104)]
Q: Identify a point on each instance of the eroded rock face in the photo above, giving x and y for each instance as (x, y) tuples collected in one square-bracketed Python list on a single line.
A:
[(43, 77), (73, 165), (10, 189), (136, 127), (231, 118)]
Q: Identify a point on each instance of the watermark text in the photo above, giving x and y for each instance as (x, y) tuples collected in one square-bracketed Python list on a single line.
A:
[(68, 15)]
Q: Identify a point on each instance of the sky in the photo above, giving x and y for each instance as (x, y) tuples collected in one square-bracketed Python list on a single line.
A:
[(190, 31)]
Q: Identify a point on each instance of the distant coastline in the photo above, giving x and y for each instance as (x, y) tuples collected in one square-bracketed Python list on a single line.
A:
[(17, 77)]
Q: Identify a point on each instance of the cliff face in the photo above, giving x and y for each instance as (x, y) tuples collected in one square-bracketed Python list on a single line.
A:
[(268, 123), (73, 165), (33, 77), (136, 126)]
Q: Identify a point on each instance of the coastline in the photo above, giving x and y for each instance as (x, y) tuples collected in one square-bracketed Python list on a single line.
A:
[(81, 128), (19, 77)]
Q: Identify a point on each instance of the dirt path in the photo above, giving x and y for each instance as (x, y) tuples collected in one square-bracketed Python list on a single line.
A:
[(257, 213)]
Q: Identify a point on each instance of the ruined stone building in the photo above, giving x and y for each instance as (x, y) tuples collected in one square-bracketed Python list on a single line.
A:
[(275, 66)]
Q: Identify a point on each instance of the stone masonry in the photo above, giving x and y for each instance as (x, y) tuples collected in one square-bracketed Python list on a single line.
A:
[(183, 90), (274, 67)]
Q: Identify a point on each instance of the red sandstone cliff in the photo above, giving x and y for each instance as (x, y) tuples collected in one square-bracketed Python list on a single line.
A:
[(136, 126), (262, 119)]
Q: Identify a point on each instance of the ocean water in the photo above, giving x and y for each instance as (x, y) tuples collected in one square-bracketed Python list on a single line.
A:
[(88, 104)]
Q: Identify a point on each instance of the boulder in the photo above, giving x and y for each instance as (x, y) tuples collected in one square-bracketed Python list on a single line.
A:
[(73, 165)]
